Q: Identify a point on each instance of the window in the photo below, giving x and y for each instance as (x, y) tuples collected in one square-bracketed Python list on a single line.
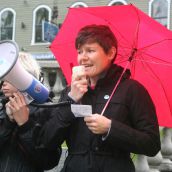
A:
[(159, 10), (117, 2), (41, 13), (79, 4), (7, 23)]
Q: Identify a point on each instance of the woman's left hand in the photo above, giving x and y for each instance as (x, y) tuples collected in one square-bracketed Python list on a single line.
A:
[(98, 124), (19, 109)]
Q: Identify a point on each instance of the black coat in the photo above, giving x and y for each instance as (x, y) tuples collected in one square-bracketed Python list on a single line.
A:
[(134, 127), (18, 152)]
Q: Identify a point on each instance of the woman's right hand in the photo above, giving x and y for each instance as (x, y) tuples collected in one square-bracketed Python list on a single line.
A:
[(18, 108), (79, 86), (9, 113)]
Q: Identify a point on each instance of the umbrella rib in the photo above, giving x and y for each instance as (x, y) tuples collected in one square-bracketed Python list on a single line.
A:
[(134, 44), (158, 80), (147, 61), (164, 62), (137, 26), (155, 43)]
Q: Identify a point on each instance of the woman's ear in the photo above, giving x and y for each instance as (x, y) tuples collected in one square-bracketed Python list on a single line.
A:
[(112, 53)]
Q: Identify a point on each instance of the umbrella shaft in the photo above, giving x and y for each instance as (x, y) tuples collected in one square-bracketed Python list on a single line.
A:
[(119, 80)]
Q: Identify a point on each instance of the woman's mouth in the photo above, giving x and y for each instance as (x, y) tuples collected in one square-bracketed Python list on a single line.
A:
[(88, 66)]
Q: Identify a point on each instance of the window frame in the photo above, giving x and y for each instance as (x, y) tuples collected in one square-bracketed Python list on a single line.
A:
[(114, 1), (79, 3), (168, 11), (14, 21), (34, 23)]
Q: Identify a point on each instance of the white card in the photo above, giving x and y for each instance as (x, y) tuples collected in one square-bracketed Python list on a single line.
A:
[(81, 110)]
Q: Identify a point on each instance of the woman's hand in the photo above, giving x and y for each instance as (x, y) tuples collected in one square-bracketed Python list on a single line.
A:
[(9, 113), (18, 108), (79, 86), (98, 124)]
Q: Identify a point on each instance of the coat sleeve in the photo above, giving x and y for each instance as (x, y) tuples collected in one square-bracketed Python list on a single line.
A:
[(40, 157), (6, 129), (54, 131), (142, 136)]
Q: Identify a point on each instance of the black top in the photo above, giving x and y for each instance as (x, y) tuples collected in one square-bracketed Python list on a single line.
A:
[(134, 127), (18, 152)]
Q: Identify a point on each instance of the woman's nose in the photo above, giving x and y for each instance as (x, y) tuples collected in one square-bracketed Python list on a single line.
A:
[(84, 56)]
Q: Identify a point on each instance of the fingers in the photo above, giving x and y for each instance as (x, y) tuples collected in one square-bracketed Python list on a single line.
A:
[(20, 98), (9, 113), (79, 80), (78, 77), (16, 101), (78, 88), (19, 110), (78, 73), (90, 119), (10, 109), (98, 124), (81, 88), (17, 98), (91, 123), (12, 102)]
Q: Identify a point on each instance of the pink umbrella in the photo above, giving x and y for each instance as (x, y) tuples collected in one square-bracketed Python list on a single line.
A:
[(142, 41)]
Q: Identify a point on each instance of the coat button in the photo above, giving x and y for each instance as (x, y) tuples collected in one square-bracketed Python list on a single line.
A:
[(106, 97)]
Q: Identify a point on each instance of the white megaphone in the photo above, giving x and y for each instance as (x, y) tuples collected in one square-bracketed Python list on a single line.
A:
[(12, 71)]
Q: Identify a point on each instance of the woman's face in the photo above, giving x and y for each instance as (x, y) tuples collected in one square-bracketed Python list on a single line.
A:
[(95, 60), (8, 89)]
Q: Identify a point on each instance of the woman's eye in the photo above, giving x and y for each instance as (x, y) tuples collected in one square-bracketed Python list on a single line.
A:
[(90, 51), (79, 52)]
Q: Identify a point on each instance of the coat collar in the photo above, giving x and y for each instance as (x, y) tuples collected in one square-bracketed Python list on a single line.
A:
[(113, 75)]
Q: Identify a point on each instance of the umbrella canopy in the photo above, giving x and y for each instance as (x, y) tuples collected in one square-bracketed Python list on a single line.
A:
[(142, 40)]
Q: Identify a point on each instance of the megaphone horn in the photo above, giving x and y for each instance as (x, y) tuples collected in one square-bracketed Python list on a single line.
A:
[(12, 71)]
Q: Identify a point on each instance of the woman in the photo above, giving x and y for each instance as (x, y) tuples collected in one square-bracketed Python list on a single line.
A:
[(17, 150), (102, 143)]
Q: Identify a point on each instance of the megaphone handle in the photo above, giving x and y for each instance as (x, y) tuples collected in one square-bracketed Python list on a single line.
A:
[(28, 98)]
